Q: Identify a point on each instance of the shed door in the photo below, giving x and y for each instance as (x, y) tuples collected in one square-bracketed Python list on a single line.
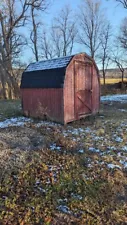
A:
[(83, 88)]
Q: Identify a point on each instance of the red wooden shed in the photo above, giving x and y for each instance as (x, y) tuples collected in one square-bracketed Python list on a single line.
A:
[(63, 89)]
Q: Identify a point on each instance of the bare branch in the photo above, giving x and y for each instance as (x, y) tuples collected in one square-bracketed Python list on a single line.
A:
[(91, 21), (64, 32), (122, 38), (123, 2), (39, 6), (105, 49)]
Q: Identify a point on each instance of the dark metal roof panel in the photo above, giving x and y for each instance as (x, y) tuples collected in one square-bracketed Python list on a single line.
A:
[(53, 78)]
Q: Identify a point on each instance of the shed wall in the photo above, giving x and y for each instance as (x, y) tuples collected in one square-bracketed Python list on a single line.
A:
[(95, 83), (69, 94), (60, 104), (96, 91), (40, 102), (76, 76)]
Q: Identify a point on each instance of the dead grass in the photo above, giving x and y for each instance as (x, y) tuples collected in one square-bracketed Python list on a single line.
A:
[(112, 80), (37, 179), (10, 108)]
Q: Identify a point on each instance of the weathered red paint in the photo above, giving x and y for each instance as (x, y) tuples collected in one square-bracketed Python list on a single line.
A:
[(43, 102), (79, 97), (81, 88)]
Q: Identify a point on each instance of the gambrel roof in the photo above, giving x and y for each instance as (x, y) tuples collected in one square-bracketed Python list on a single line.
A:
[(49, 64), (46, 74)]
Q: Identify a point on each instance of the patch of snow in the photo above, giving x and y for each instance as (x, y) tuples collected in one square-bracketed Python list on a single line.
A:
[(124, 163), (94, 149), (45, 123), (18, 121), (65, 134), (118, 139), (98, 138), (37, 182), (112, 166), (114, 98), (75, 131), (64, 209), (122, 110), (55, 147), (101, 116), (87, 130), (119, 154), (124, 124), (90, 165), (124, 148), (41, 190), (81, 130), (74, 139), (111, 147), (81, 151), (76, 196), (21, 121), (4, 197)]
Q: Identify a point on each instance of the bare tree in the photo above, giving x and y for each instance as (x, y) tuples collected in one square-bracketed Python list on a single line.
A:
[(47, 46), (11, 40), (105, 49), (36, 7), (122, 38), (120, 64), (118, 57), (91, 22), (61, 36), (63, 32)]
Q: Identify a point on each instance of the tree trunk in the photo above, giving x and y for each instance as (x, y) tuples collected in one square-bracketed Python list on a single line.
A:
[(3, 85), (34, 34), (122, 76), (122, 83), (104, 77)]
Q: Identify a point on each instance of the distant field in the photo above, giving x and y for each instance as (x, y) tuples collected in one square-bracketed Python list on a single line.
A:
[(112, 80)]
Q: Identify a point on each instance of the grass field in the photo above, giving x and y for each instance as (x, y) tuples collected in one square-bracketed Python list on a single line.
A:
[(112, 80), (62, 175)]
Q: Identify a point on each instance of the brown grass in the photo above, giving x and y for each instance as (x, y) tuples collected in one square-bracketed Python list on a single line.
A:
[(81, 181), (112, 80)]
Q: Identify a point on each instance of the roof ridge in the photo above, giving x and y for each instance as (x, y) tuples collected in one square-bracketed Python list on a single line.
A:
[(63, 57), (49, 64)]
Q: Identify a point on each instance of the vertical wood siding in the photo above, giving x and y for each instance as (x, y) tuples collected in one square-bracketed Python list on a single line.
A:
[(40, 102), (96, 92), (81, 88), (81, 85), (69, 94)]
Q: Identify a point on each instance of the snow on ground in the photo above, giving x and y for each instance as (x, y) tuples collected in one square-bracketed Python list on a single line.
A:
[(123, 110), (112, 166), (114, 98), (95, 139), (21, 121)]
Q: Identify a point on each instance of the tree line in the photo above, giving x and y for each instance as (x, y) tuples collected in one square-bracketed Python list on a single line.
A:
[(88, 27)]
